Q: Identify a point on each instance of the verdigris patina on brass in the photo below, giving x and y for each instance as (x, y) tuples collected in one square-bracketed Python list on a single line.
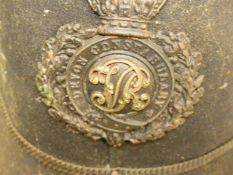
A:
[(120, 81)]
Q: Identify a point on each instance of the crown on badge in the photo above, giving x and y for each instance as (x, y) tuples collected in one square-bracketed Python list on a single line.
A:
[(126, 17)]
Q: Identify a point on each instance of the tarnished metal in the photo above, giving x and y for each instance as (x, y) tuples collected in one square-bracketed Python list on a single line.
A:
[(118, 87)]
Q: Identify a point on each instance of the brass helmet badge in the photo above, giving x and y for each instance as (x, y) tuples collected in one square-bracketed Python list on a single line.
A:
[(120, 82)]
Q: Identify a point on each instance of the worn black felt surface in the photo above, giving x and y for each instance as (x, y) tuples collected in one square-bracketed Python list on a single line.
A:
[(28, 23)]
